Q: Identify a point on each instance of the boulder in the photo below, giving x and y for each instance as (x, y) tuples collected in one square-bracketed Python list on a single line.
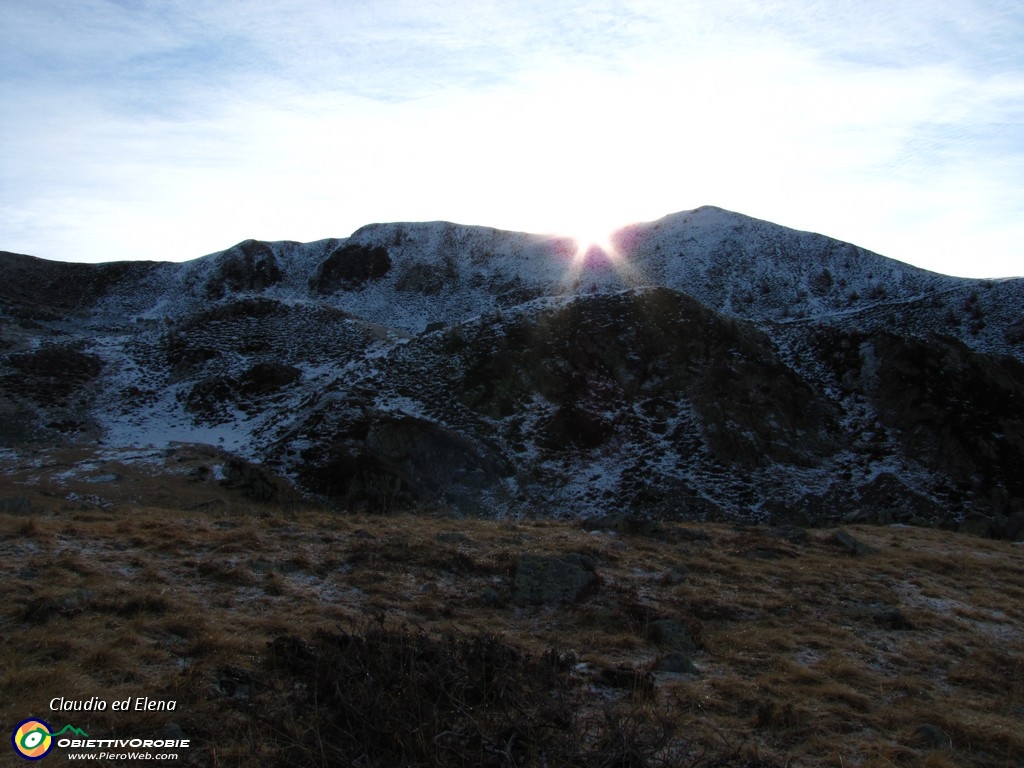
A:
[(671, 635), (545, 580), (852, 545), (676, 663), (253, 481)]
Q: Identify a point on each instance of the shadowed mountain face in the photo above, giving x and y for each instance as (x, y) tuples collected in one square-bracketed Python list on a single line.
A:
[(715, 366)]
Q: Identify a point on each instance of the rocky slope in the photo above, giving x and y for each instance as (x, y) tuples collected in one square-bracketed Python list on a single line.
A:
[(714, 366)]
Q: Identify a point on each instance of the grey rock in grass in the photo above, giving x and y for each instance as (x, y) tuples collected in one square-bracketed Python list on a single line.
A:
[(254, 481), (852, 545), (671, 635), (676, 663), (544, 580)]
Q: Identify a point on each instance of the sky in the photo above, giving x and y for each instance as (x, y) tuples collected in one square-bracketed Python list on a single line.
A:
[(138, 129)]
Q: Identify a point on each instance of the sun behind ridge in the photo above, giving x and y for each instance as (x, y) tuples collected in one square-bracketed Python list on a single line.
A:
[(591, 236), (599, 260)]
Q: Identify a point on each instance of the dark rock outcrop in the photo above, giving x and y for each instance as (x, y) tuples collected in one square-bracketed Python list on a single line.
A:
[(380, 459), (254, 482), (249, 266), (952, 409), (51, 374), (350, 266)]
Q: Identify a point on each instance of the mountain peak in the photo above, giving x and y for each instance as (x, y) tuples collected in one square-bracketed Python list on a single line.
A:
[(714, 366)]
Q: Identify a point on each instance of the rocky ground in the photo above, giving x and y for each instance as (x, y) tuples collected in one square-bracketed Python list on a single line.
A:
[(295, 635)]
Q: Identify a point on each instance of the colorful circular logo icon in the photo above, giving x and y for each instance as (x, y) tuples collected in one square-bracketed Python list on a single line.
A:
[(32, 739)]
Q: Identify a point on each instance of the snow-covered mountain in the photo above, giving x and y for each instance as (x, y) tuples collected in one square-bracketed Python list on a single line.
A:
[(714, 365)]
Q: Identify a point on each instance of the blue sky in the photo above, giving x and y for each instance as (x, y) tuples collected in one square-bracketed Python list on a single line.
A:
[(167, 130)]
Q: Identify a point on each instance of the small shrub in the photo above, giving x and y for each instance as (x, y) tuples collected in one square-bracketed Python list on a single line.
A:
[(399, 697)]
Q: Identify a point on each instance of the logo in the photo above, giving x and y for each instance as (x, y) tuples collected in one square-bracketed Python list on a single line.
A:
[(33, 739)]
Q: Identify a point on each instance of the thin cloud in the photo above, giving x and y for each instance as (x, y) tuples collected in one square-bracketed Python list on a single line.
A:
[(168, 130)]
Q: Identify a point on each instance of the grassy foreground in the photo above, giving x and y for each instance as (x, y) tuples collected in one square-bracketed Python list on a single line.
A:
[(304, 637)]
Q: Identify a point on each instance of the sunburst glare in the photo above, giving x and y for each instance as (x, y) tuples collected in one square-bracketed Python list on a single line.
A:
[(599, 262), (590, 239)]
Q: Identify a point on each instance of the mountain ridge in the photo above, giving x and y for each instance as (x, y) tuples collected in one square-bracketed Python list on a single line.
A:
[(714, 365)]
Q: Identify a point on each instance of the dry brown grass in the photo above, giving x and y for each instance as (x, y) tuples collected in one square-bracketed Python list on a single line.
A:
[(809, 656)]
